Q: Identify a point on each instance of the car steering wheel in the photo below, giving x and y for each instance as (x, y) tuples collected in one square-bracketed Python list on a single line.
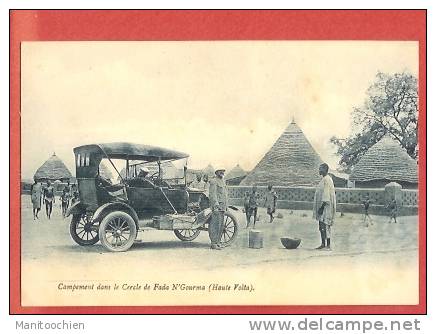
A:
[(154, 176)]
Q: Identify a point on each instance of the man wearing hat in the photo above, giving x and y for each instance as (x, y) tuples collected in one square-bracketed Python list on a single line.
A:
[(142, 179), (218, 204), (143, 172)]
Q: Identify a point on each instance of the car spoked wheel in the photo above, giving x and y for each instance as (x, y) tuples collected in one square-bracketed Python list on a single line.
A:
[(82, 231), (187, 235), (117, 231), (230, 229)]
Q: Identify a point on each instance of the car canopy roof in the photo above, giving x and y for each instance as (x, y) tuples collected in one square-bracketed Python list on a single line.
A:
[(122, 150)]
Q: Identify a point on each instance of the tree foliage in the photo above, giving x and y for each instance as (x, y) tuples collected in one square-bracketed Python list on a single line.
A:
[(390, 107)]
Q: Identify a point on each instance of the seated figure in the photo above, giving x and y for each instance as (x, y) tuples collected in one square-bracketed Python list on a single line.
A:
[(103, 181), (142, 179)]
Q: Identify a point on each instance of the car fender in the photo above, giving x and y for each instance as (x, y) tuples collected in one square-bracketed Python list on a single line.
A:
[(105, 208), (203, 216), (76, 208)]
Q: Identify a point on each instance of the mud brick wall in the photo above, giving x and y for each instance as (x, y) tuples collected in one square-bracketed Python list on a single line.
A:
[(410, 197), (301, 198), (348, 199)]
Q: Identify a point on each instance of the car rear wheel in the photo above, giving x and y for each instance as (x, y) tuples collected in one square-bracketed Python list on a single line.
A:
[(230, 229), (117, 231), (186, 235), (82, 231)]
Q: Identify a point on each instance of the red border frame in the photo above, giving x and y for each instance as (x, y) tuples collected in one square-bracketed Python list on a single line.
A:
[(75, 25)]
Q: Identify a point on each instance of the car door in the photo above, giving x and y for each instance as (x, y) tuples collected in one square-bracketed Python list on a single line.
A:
[(147, 199)]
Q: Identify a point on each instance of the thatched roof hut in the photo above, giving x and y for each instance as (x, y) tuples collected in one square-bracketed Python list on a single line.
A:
[(384, 162), (53, 169), (235, 175), (340, 180), (291, 161)]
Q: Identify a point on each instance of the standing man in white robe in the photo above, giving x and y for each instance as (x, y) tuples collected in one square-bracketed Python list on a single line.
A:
[(324, 207)]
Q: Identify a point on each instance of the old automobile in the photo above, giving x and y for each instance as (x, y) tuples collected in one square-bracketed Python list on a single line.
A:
[(113, 212)]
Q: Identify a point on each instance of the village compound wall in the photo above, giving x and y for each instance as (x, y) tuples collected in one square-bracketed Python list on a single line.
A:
[(348, 199)]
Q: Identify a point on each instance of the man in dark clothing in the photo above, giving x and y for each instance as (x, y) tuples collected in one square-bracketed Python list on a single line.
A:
[(253, 204), (367, 218), (393, 208), (247, 207)]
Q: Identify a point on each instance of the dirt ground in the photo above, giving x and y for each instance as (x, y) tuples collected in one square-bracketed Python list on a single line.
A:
[(376, 252)]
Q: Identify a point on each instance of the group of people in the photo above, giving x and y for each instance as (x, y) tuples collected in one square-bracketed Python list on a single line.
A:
[(252, 201), (392, 207), (41, 193), (201, 182), (324, 207), (216, 190)]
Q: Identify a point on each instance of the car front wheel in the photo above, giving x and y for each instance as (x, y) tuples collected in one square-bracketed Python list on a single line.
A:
[(117, 231), (82, 231)]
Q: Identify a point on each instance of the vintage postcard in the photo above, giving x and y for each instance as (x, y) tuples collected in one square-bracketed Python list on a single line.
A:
[(279, 174)]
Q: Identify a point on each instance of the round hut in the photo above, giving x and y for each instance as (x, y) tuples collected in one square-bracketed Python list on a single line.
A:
[(384, 162), (235, 176), (53, 169)]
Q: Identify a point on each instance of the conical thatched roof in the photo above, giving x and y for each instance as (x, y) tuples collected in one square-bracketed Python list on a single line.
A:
[(53, 169), (235, 172), (291, 161), (386, 160), (169, 170)]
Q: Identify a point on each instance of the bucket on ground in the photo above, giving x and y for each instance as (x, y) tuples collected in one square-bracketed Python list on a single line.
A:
[(255, 239)]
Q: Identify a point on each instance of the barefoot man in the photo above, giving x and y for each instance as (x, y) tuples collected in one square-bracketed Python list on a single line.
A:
[(324, 207), (36, 195)]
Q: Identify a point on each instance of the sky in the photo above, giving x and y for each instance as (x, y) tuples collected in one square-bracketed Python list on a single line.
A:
[(223, 103)]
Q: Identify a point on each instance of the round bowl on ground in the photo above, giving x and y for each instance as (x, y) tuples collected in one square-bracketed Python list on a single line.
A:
[(290, 243)]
